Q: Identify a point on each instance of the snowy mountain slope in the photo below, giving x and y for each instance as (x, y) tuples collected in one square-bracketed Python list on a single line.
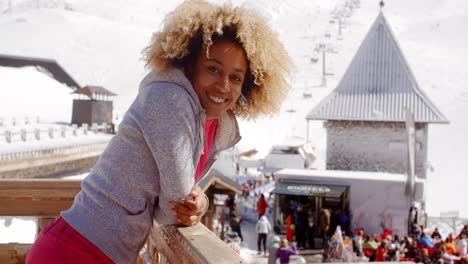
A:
[(92, 48), (30, 101), (100, 42)]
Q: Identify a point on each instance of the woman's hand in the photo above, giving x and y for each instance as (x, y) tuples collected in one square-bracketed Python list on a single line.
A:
[(189, 211)]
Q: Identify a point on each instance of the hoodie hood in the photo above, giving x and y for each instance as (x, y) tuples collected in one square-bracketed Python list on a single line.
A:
[(171, 75)]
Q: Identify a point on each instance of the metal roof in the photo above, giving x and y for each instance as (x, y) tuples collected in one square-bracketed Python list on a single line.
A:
[(49, 66), (90, 90), (378, 85)]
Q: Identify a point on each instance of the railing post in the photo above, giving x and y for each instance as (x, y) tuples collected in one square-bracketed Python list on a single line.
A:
[(8, 136), (37, 133), (75, 130), (63, 131), (51, 132), (222, 222), (153, 252), (42, 222)]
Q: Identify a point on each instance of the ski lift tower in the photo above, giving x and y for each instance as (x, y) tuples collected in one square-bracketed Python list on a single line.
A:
[(324, 47), (340, 36)]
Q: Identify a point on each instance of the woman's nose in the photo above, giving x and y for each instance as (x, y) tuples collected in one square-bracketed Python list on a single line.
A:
[(223, 84)]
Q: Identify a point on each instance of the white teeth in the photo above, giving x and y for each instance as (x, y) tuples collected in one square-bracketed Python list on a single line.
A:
[(216, 99)]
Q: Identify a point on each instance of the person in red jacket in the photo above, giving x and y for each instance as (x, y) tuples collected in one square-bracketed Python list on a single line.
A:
[(382, 253), (261, 206), (289, 227)]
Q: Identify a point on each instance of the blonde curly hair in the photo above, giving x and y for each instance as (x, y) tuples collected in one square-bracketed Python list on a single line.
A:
[(194, 24)]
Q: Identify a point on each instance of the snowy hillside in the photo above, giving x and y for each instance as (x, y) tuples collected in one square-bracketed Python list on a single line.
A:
[(40, 96), (100, 43)]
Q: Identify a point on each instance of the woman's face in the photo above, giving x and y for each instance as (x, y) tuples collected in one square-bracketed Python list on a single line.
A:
[(218, 78)]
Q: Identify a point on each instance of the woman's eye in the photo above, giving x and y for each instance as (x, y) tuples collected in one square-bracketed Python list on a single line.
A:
[(213, 69), (236, 78)]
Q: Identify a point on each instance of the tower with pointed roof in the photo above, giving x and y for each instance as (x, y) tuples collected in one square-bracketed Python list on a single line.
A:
[(365, 114)]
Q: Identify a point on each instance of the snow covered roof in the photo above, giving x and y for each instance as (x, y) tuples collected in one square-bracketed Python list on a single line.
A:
[(307, 174), (51, 67), (91, 90), (220, 182), (378, 85)]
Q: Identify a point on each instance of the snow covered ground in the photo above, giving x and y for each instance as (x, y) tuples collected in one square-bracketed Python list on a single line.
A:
[(100, 43), (17, 229)]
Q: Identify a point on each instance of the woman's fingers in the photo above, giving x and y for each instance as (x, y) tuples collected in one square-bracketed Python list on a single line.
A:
[(188, 221), (184, 215), (188, 211), (180, 208), (195, 205)]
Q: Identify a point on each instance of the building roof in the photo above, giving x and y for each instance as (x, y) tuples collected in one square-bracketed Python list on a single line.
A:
[(378, 85), (220, 182), (299, 175), (48, 66), (94, 90)]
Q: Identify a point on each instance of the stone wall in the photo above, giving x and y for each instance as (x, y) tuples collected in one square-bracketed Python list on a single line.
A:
[(374, 146), (50, 169)]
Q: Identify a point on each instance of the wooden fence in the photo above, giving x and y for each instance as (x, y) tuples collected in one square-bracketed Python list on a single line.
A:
[(45, 198)]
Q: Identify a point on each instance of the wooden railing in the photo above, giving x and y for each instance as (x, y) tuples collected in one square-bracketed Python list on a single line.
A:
[(187, 245), (45, 198)]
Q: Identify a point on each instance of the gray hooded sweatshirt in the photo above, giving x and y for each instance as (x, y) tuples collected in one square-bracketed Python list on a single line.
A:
[(150, 162)]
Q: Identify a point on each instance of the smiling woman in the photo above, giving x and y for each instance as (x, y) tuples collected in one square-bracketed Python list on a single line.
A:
[(217, 78), (196, 25), (208, 65)]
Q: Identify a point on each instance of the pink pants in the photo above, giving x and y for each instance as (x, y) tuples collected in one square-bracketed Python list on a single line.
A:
[(60, 243)]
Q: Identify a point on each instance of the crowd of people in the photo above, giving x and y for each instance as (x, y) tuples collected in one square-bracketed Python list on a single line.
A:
[(302, 227), (419, 246)]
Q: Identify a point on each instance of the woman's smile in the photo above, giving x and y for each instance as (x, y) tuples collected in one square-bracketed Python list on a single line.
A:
[(217, 100)]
